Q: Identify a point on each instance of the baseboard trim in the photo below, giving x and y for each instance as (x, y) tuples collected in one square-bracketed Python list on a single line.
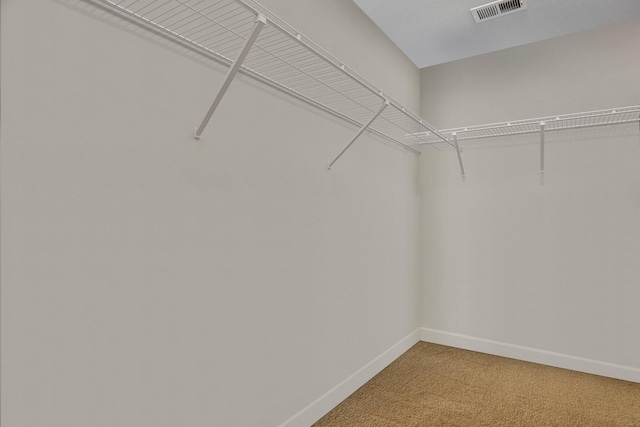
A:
[(528, 354), (325, 403)]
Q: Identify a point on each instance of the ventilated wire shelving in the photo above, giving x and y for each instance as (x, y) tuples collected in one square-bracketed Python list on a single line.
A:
[(250, 39), (473, 135), (614, 116)]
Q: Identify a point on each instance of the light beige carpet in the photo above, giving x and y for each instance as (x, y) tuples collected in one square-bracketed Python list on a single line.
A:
[(434, 385)]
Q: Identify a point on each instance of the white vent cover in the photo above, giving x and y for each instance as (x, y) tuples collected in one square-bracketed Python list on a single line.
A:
[(497, 8)]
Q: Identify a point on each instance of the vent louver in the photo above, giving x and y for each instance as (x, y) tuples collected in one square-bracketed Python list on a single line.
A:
[(497, 9)]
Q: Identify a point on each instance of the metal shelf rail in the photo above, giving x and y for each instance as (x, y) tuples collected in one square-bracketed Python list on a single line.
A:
[(252, 40), (543, 125)]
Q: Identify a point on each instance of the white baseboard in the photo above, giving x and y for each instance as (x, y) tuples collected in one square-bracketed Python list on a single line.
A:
[(325, 403), (531, 354), (318, 408)]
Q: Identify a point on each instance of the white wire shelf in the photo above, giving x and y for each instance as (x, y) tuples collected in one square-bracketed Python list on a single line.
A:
[(250, 39), (467, 135)]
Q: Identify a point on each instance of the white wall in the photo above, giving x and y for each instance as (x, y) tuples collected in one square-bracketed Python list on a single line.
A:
[(585, 71), (520, 268), (152, 280)]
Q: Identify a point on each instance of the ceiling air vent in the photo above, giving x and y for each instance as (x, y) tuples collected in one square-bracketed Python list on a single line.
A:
[(497, 9)]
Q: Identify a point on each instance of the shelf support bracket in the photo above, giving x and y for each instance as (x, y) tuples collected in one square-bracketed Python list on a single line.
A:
[(455, 141), (235, 67), (360, 132), (542, 126)]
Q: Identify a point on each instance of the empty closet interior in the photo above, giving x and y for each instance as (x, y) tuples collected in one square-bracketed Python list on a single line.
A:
[(235, 213)]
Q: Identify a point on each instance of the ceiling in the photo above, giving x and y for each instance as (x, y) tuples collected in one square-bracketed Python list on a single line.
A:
[(432, 32)]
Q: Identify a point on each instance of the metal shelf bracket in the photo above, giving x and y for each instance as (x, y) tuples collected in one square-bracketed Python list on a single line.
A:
[(261, 21), (360, 132), (455, 140), (542, 126)]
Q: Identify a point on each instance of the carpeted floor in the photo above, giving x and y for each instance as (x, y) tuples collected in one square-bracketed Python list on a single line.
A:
[(434, 385)]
